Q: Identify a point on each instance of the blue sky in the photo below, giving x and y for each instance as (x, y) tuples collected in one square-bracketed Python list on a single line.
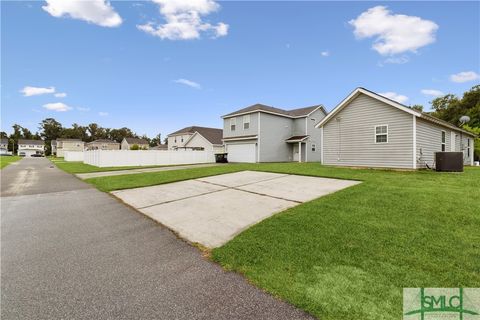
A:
[(125, 65)]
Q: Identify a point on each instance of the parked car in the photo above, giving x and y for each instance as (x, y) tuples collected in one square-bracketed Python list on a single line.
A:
[(37, 155)]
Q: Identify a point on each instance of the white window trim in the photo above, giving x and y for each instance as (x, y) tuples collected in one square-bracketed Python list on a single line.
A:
[(380, 134), (245, 118), (469, 151), (233, 122), (443, 145)]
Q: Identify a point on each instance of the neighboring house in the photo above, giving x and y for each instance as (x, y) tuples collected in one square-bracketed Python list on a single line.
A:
[(160, 147), (128, 143), (27, 147), (103, 144), (4, 146), (53, 147), (369, 130), (196, 138), (69, 145), (261, 133)]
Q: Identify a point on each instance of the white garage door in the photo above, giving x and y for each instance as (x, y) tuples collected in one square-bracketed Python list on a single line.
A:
[(241, 152)]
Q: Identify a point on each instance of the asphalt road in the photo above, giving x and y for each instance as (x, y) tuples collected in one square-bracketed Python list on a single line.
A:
[(69, 251)]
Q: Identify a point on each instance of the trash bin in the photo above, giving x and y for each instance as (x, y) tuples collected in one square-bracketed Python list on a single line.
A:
[(221, 158)]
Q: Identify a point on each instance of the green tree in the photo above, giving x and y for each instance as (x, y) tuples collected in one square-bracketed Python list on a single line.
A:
[(135, 147), (417, 107), (50, 129)]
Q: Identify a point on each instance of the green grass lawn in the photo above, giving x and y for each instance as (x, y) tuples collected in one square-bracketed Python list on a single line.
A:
[(348, 255), (80, 167), (6, 160)]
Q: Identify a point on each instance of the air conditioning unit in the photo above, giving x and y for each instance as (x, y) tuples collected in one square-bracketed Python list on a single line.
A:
[(449, 161)]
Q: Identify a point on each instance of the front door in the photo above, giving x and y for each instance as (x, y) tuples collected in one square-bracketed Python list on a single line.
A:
[(295, 152)]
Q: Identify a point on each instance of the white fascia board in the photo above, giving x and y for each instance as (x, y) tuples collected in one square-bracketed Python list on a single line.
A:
[(355, 94)]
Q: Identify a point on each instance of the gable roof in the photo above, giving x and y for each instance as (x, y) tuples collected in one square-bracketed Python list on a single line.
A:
[(390, 102), (294, 113), (136, 141), (103, 141), (30, 141), (68, 139), (213, 135)]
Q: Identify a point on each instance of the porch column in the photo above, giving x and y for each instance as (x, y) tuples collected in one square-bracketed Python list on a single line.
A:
[(299, 151)]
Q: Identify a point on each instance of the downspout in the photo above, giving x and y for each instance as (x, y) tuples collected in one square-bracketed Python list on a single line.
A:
[(414, 142), (258, 139), (306, 141)]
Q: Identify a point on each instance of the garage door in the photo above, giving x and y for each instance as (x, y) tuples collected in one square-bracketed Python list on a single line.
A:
[(241, 152)]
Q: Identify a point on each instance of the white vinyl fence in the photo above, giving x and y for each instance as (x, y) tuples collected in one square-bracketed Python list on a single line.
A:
[(73, 155), (120, 158)]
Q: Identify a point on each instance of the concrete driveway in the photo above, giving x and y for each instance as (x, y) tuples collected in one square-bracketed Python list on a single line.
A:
[(213, 210), (69, 251)]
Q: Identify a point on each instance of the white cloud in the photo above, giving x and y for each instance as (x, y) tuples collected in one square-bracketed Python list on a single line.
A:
[(60, 95), (35, 91), (432, 92), (464, 76), (183, 20), (397, 60), (57, 106), (325, 53), (103, 114), (189, 83), (395, 96), (394, 33), (98, 12)]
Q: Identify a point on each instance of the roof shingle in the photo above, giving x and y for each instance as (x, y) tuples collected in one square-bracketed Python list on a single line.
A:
[(213, 135)]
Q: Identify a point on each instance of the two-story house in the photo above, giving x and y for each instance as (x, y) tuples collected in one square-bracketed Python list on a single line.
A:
[(261, 133), (103, 144), (4, 146), (196, 138), (69, 145), (27, 148)]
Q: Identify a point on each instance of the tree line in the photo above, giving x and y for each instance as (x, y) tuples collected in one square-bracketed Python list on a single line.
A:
[(50, 129)]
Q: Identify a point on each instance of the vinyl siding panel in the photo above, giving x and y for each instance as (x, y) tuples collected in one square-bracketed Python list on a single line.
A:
[(429, 141), (239, 131), (274, 130), (351, 141), (315, 136)]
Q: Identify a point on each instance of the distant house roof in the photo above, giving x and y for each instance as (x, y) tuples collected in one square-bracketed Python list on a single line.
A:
[(213, 135), (103, 141), (294, 113), (3, 140), (68, 139), (29, 141), (160, 147), (392, 103), (137, 141)]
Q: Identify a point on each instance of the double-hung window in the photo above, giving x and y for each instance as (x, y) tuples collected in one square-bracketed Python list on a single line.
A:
[(444, 140), (314, 147), (468, 148), (233, 124), (381, 134), (246, 122)]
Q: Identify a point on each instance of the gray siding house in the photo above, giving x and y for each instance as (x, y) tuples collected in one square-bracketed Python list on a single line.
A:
[(369, 130), (261, 133)]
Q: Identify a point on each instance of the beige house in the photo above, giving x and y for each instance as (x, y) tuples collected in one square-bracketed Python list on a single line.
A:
[(27, 148), (69, 145), (196, 138), (128, 143), (103, 144), (369, 130)]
